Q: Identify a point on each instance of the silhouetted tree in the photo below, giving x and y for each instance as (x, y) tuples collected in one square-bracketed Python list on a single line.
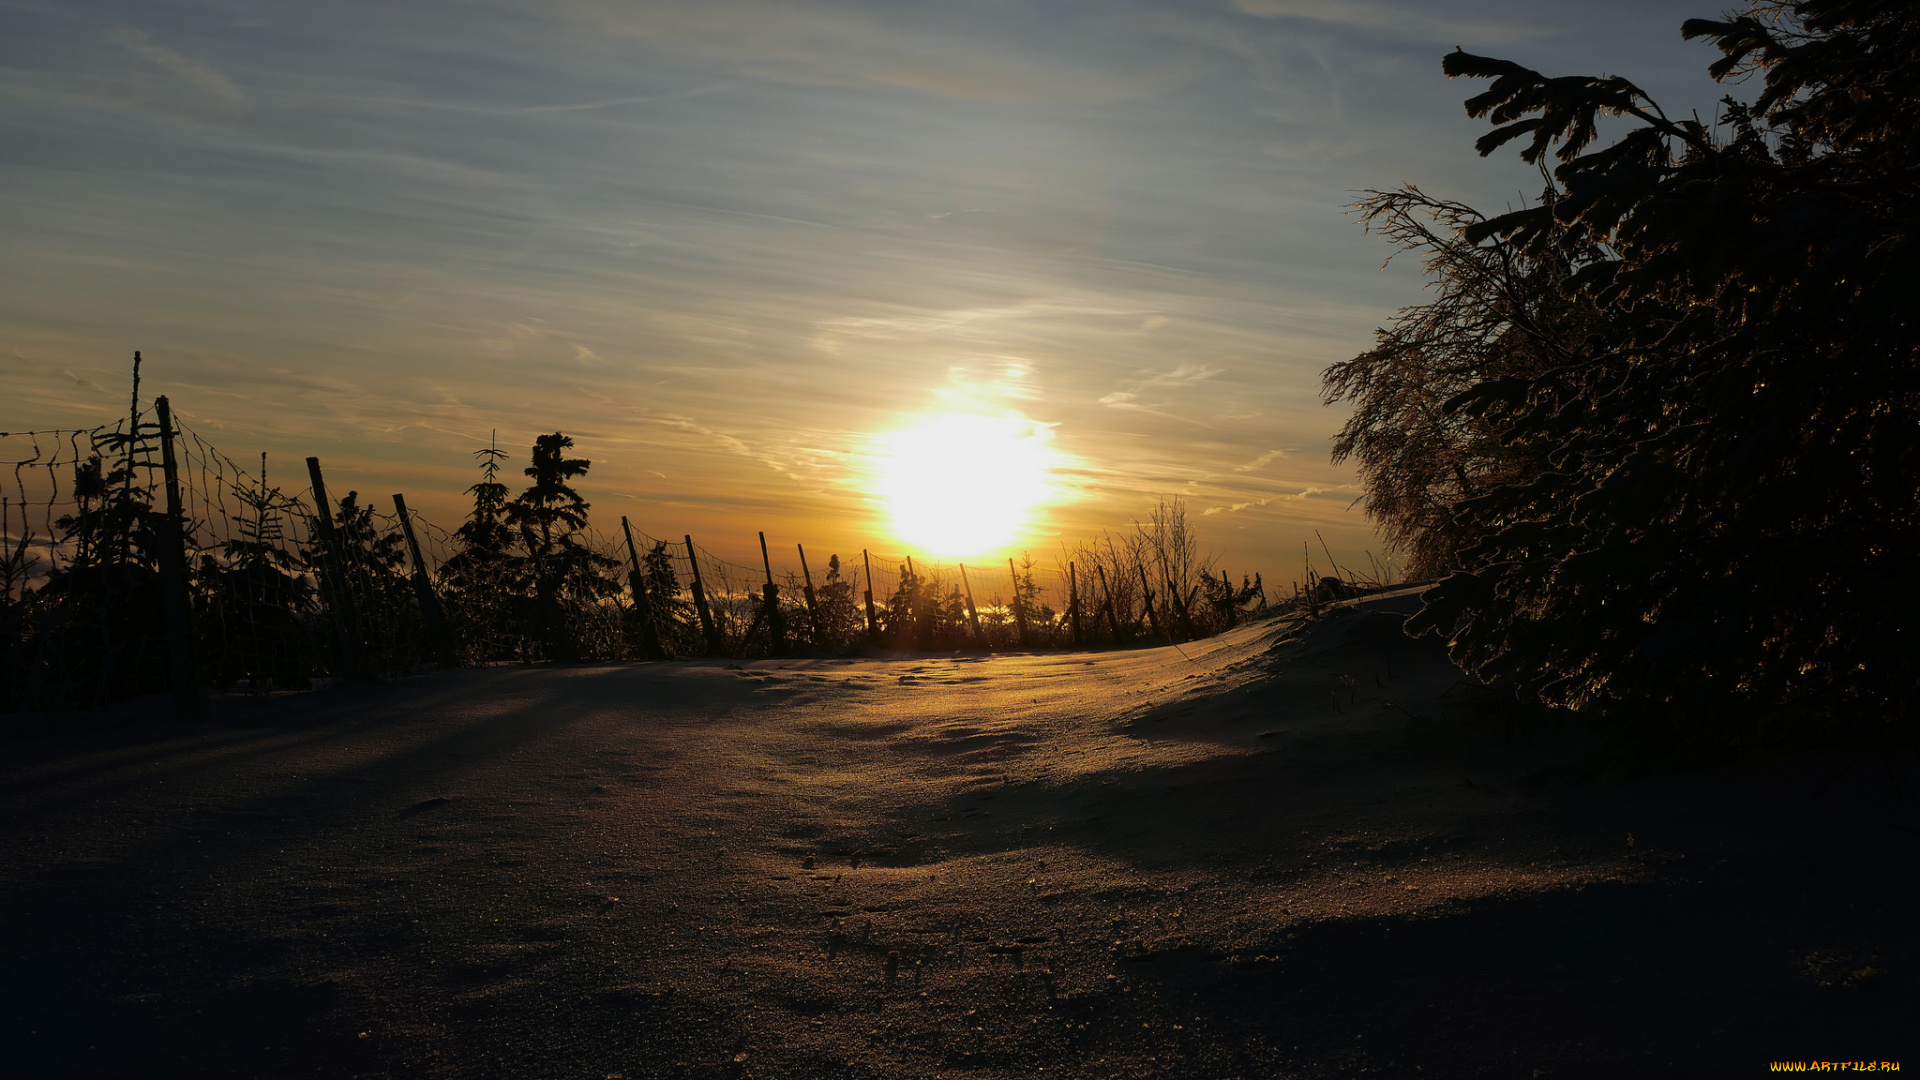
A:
[(550, 515), (370, 562), (1712, 522), (839, 612), (257, 599), (102, 606), (485, 532), (1500, 313), (484, 585)]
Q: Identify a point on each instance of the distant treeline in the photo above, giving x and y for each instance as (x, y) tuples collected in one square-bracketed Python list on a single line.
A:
[(140, 558), (1659, 430)]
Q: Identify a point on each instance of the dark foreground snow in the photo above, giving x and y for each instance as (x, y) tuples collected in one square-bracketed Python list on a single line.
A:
[(1282, 853)]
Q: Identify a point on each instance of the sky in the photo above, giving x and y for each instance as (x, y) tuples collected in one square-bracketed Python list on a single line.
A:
[(754, 257)]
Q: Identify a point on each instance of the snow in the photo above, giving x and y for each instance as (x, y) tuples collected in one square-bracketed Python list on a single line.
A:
[(1292, 850)]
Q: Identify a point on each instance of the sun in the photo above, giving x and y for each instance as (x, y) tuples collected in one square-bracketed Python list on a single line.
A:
[(960, 484)]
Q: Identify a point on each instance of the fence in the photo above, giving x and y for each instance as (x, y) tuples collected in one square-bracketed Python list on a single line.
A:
[(139, 558)]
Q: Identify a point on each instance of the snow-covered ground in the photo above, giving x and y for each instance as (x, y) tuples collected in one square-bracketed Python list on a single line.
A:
[(1289, 851)]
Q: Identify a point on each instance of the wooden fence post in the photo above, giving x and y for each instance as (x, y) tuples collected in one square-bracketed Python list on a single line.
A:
[(873, 627), (1073, 605), (173, 575), (1176, 605), (642, 603), (913, 615), (714, 645), (346, 625), (1106, 591), (973, 613), (1019, 605), (770, 594), (1153, 620), (423, 591), (813, 610)]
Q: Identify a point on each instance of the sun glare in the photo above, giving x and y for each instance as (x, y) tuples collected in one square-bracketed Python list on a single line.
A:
[(959, 484)]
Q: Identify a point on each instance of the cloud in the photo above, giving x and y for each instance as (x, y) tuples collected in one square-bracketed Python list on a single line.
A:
[(1303, 493), (732, 444), (192, 72), (1184, 375), (1259, 461), (1415, 21), (82, 381), (955, 50)]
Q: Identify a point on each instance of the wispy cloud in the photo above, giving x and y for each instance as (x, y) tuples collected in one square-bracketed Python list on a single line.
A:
[(1233, 509), (1183, 375), (1263, 459), (972, 52), (192, 72), (1297, 496), (1417, 20)]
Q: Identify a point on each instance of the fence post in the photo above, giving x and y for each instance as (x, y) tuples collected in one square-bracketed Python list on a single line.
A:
[(1177, 606), (173, 574), (714, 645), (1153, 620), (813, 610), (1073, 605), (1019, 605), (770, 593), (642, 603), (973, 614), (423, 590), (1113, 621), (340, 599), (873, 631), (913, 613)]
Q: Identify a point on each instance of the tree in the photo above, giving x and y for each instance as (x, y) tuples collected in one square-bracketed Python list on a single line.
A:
[(550, 515), (485, 535), (1712, 527), (369, 562), (673, 618), (1499, 313), (484, 585), (839, 611), (260, 600)]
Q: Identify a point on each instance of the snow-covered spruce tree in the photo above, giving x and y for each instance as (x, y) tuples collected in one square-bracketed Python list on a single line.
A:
[(1712, 532), (1498, 312)]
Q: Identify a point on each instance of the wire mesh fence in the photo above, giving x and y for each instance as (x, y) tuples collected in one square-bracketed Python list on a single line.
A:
[(138, 558)]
